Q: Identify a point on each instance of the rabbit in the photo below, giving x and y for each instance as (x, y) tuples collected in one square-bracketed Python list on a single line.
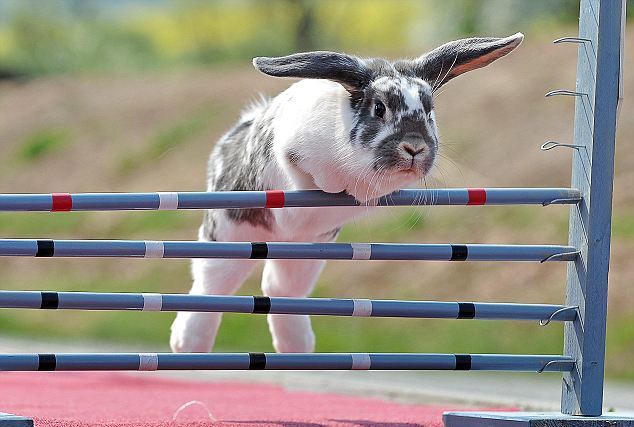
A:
[(361, 126)]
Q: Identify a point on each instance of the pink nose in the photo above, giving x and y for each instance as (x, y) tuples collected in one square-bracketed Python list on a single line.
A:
[(410, 149)]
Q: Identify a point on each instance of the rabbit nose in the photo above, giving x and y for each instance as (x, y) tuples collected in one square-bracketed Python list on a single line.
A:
[(410, 149)]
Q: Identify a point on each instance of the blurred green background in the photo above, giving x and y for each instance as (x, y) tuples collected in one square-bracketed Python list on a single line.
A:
[(131, 95), (122, 35)]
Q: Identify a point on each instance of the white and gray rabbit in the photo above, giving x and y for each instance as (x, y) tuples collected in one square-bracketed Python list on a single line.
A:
[(363, 126)]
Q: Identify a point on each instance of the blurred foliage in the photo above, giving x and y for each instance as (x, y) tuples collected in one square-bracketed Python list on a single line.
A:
[(172, 136), (88, 35), (43, 142)]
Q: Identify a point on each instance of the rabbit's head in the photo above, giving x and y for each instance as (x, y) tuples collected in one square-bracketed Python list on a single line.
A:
[(392, 130)]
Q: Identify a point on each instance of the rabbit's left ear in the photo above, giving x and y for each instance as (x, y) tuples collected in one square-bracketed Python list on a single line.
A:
[(454, 58), (346, 70)]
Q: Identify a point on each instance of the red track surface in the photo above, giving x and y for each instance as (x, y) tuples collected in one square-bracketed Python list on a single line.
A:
[(114, 399)]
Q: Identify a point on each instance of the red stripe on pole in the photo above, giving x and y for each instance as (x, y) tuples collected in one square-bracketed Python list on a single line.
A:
[(62, 202), (274, 199), (477, 196)]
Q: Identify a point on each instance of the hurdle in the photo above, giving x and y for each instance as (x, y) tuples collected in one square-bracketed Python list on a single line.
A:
[(285, 305), (282, 250), (587, 255), (287, 361), (61, 202)]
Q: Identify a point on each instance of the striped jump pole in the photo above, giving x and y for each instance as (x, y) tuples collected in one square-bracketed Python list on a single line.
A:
[(59, 202), (283, 305), (288, 361), (266, 250)]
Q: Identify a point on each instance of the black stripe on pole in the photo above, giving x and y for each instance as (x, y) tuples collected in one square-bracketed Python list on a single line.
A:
[(466, 310), (463, 362), (261, 305), (50, 300), (259, 250), (45, 248), (47, 362), (459, 252), (257, 361)]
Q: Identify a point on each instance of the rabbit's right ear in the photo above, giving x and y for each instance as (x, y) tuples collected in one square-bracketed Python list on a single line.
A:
[(458, 57), (346, 70)]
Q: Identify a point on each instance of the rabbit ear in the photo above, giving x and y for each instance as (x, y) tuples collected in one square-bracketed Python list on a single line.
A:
[(347, 70), (454, 58)]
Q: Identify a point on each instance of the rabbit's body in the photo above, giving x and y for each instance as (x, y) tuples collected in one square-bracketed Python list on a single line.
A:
[(366, 127), (266, 150)]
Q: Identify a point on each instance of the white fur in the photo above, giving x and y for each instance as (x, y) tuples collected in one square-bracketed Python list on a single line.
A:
[(318, 128), (410, 93), (314, 119)]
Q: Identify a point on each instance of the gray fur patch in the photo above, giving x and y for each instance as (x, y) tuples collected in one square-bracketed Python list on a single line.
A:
[(209, 227), (293, 157), (242, 171)]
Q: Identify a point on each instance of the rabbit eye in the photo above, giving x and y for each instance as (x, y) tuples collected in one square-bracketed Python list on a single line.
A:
[(430, 116), (379, 109)]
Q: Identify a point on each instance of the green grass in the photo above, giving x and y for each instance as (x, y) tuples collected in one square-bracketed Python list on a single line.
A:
[(623, 226), (43, 142), (38, 224), (410, 223), (91, 225), (143, 223), (394, 226), (172, 136)]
